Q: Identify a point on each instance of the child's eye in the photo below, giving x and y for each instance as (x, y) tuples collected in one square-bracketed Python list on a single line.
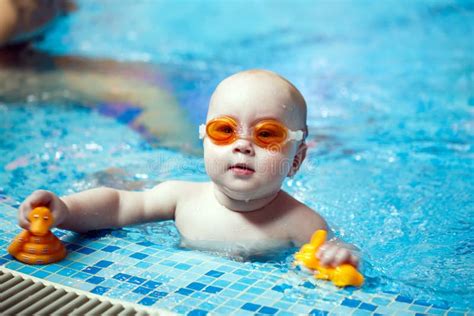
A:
[(226, 129), (266, 134)]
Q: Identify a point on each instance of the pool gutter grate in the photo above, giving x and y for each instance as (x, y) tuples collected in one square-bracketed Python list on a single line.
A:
[(25, 295)]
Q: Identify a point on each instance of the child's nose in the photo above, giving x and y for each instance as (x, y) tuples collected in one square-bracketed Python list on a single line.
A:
[(243, 146)]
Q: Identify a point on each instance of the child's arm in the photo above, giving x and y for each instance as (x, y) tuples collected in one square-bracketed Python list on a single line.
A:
[(104, 207)]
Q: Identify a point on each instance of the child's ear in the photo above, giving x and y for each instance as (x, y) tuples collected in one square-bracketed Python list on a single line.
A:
[(298, 160)]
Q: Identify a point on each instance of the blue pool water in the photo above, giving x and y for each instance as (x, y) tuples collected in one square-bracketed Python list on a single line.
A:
[(390, 90)]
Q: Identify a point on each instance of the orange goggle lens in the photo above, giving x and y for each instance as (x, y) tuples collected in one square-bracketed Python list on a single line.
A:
[(269, 132), (224, 131)]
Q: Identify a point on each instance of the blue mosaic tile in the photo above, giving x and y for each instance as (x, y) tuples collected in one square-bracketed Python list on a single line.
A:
[(368, 307), (110, 248), (403, 299), (250, 307), (214, 273), (27, 269), (136, 280), (309, 285), (381, 301), (77, 266), (241, 272), (281, 287), (184, 291), (417, 308), (142, 290), (207, 306), (67, 272), (103, 264), (81, 275), (422, 303), (268, 310), (145, 243), (183, 266), (147, 301), (169, 263), (441, 305), (197, 312), (152, 284), (200, 295), (85, 250), (436, 311), (41, 274), (100, 290), (196, 286), (221, 283), (350, 302), (212, 289), (73, 247), (143, 265), (157, 294), (122, 276), (256, 290), (110, 283), (127, 286), (139, 255), (361, 312), (247, 280), (95, 280), (91, 270)]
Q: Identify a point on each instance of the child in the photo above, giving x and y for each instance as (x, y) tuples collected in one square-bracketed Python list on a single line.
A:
[(22, 20), (253, 140)]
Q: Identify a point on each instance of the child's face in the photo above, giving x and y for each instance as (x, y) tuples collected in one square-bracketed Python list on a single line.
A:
[(248, 98)]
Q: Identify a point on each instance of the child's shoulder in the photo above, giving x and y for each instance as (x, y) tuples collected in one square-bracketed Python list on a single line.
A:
[(302, 220), (178, 187), (292, 204)]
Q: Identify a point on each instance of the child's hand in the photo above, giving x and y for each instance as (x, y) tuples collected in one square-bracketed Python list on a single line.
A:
[(334, 253), (42, 198)]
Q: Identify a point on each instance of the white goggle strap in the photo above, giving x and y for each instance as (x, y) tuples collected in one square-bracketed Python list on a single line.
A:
[(202, 131), (295, 135)]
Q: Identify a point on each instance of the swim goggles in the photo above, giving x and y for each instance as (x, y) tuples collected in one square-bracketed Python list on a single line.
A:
[(266, 133)]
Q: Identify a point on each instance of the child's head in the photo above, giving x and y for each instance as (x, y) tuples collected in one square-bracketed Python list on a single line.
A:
[(246, 167)]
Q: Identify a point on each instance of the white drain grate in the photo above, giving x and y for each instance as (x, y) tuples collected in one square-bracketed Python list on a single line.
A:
[(24, 295)]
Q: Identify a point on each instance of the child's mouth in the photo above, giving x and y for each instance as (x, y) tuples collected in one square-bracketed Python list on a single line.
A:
[(241, 169)]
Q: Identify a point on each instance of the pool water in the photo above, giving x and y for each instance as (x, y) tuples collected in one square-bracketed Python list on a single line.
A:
[(390, 93)]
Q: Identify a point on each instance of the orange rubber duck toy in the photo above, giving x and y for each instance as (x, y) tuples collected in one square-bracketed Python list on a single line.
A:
[(38, 245), (343, 275)]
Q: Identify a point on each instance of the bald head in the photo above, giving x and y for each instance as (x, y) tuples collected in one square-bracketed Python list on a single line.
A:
[(262, 90)]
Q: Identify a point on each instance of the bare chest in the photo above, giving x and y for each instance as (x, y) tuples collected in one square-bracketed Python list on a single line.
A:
[(215, 228)]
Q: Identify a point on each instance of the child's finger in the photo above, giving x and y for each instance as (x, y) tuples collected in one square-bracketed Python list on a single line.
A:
[(354, 260), (328, 255), (342, 256), (57, 214), (39, 198), (321, 251), (22, 216)]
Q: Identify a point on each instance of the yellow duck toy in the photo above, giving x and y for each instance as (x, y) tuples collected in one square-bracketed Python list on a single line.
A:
[(343, 275), (38, 245)]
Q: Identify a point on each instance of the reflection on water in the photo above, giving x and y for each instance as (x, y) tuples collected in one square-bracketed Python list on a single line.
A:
[(390, 95)]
